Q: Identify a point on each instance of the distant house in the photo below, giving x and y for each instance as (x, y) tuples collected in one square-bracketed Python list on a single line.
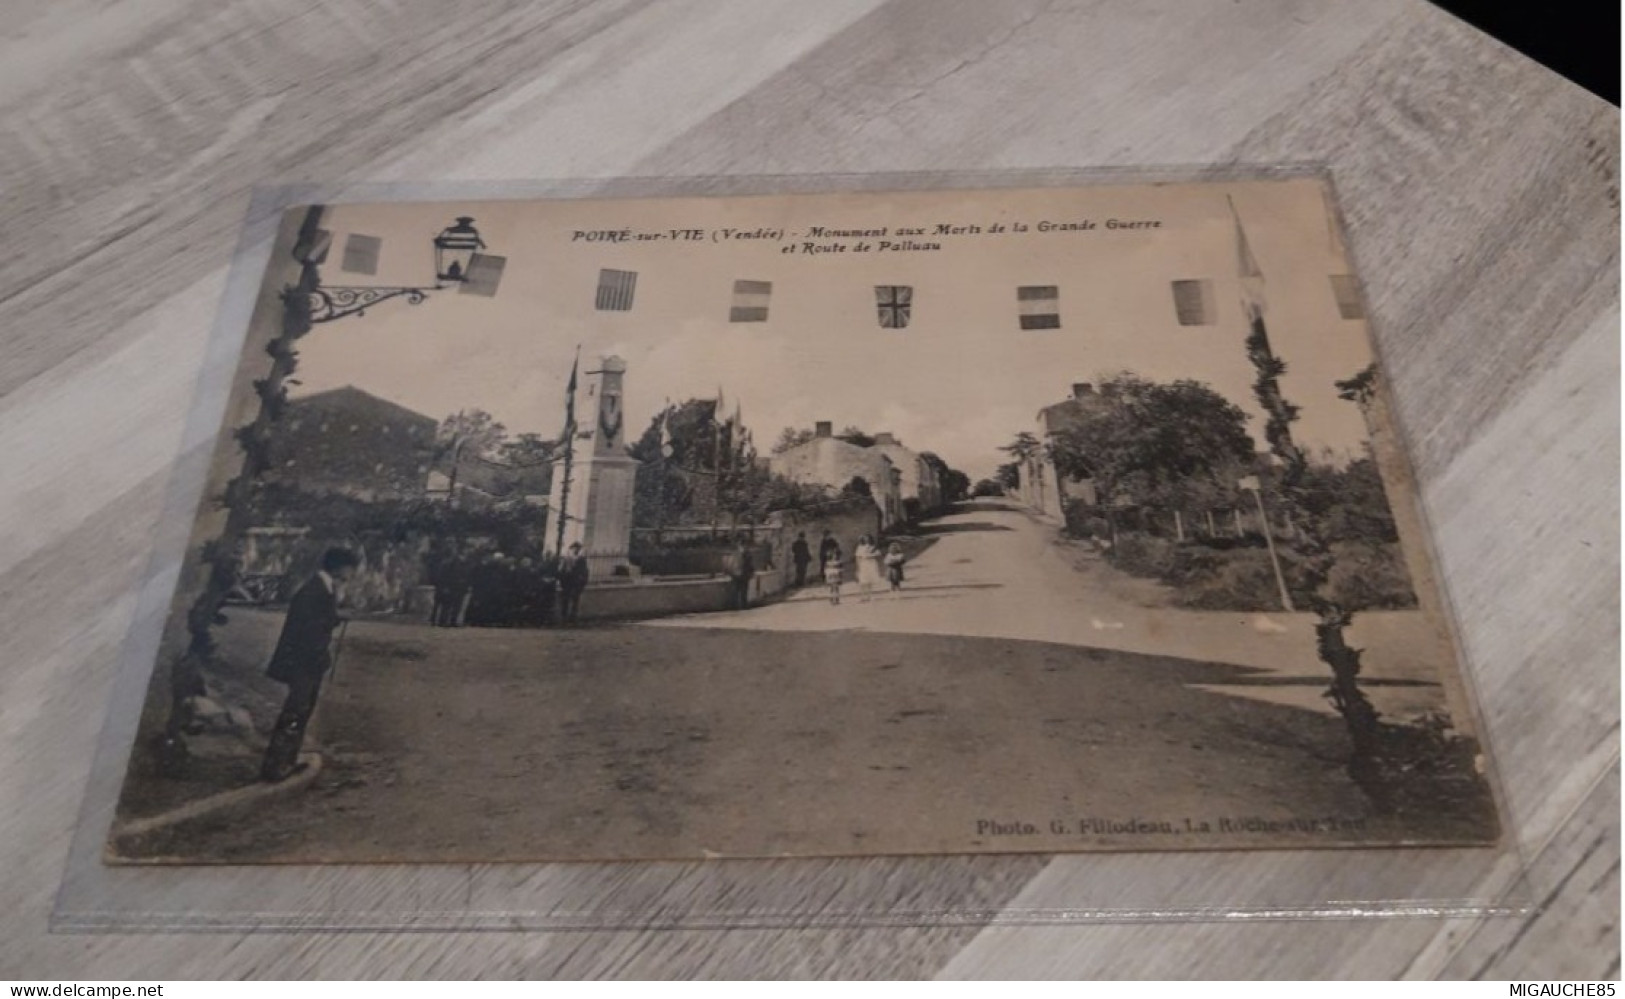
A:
[(828, 461), (1041, 486), (482, 482), (349, 442), (918, 480)]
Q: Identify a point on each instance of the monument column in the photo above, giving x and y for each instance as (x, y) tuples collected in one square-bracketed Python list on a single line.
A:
[(598, 510)]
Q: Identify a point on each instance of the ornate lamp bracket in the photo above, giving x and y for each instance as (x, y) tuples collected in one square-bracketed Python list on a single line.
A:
[(327, 304)]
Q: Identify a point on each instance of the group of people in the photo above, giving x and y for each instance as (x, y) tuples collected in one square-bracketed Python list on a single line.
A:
[(493, 589), (470, 588), (871, 562)]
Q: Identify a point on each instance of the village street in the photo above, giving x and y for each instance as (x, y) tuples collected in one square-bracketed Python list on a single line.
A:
[(982, 710), (995, 570)]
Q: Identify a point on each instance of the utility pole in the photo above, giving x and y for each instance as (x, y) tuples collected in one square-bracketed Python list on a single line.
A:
[(569, 453), (1251, 484)]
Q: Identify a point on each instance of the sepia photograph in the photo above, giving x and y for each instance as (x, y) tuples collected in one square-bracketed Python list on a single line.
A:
[(888, 523)]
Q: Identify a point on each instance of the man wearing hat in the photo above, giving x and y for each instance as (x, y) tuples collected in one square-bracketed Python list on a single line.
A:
[(572, 580), (302, 658)]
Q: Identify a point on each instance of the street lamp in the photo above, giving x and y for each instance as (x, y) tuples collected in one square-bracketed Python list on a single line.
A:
[(458, 263), (454, 249), (457, 258)]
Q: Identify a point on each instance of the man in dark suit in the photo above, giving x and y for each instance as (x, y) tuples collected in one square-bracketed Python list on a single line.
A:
[(801, 555), (741, 567), (573, 575), (302, 658)]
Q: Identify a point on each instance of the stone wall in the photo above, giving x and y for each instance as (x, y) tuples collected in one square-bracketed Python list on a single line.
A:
[(654, 598)]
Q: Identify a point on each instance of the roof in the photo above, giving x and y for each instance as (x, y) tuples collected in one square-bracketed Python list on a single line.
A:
[(1067, 414), (833, 442), (354, 400), (893, 447)]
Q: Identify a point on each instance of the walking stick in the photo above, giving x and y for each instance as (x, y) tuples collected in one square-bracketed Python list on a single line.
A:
[(338, 647), (311, 728)]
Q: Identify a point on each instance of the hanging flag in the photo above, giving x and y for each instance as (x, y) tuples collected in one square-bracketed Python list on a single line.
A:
[(568, 440), (1346, 291), (615, 290), (1039, 307), (736, 437), (895, 302), (750, 301), (570, 404), (1252, 279), (361, 253), (667, 449), (483, 275), (1334, 232), (716, 432), (1193, 303)]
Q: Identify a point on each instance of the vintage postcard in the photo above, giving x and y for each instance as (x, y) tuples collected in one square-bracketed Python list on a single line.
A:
[(927, 522)]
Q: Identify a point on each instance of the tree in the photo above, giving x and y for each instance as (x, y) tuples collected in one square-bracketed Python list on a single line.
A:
[(791, 437), (1361, 389), (679, 487), (1316, 561), (1349, 503), (856, 435), (711, 470), (1024, 448), (476, 428), (1152, 443), (987, 487), (859, 486), (1008, 475), (464, 433), (952, 484), (527, 451), (220, 558)]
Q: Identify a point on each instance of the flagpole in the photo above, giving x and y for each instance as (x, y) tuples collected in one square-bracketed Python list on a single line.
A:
[(716, 465), (666, 452), (569, 453)]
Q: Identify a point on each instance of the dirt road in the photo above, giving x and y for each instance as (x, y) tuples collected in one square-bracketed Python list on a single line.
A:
[(997, 571), (930, 720)]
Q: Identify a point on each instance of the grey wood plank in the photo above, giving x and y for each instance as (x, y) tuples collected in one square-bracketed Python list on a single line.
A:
[(1575, 933), (1482, 197), (1527, 524)]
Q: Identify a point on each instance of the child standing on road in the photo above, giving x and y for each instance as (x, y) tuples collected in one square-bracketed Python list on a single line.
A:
[(867, 557), (894, 566), (832, 572)]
